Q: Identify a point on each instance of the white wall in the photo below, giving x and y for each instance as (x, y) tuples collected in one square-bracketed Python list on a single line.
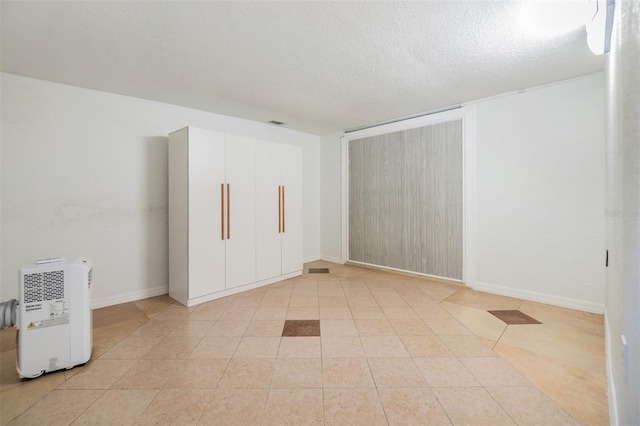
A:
[(85, 172), (330, 201), (623, 221), (540, 188), (1, 180)]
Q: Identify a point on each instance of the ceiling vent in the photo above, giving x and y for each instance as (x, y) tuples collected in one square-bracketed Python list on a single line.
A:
[(275, 122)]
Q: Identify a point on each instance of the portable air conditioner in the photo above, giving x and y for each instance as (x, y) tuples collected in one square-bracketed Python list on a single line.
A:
[(54, 318)]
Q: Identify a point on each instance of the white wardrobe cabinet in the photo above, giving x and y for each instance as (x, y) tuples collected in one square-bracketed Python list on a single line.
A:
[(217, 214)]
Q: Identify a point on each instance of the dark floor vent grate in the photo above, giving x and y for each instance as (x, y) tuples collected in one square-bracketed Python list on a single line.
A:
[(318, 270), (514, 317), (294, 328)]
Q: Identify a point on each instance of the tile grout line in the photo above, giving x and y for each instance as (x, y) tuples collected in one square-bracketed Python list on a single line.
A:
[(373, 378), (499, 405), (263, 414), (149, 404), (440, 404), (498, 340), (213, 390)]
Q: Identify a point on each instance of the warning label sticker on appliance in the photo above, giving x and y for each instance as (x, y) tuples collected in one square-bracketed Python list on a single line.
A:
[(58, 315), (33, 325)]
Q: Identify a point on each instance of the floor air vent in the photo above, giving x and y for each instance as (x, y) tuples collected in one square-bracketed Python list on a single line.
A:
[(513, 317)]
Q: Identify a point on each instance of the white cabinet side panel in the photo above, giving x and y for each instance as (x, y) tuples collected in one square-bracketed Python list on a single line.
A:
[(178, 216), (241, 223), (268, 232), (206, 246), (292, 256)]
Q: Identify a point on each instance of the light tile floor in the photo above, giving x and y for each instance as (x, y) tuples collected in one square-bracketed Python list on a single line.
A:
[(393, 349)]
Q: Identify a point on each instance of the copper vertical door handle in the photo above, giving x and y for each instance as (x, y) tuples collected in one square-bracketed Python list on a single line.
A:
[(284, 209), (222, 211), (279, 210), (228, 211)]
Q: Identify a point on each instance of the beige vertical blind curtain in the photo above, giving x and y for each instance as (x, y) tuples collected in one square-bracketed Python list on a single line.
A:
[(405, 200)]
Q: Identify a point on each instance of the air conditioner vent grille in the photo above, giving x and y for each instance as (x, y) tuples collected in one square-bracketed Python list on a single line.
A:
[(90, 277), (43, 286), (33, 291)]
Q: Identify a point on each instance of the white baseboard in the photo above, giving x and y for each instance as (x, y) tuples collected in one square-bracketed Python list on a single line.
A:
[(240, 289), (533, 296), (611, 387), (331, 259), (311, 259), (129, 297), (403, 272)]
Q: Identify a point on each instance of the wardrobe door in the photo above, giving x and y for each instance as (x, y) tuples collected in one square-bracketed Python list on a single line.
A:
[(268, 210), (206, 244), (292, 249), (405, 200), (240, 210), (278, 209)]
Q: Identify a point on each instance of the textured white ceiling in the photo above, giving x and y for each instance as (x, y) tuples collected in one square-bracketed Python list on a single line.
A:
[(320, 67)]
